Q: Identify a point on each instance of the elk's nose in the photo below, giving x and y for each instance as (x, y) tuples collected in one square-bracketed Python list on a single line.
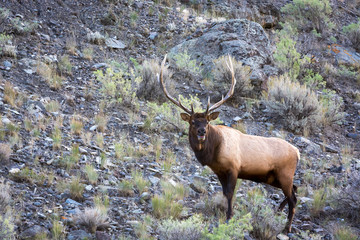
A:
[(201, 131)]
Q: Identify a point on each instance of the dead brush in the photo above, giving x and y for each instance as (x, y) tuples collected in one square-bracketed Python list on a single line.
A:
[(5, 152), (93, 218)]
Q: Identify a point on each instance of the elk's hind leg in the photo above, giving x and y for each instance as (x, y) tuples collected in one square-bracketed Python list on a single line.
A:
[(291, 199)]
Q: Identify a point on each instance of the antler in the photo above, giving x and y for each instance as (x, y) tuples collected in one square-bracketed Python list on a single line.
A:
[(176, 102), (228, 95)]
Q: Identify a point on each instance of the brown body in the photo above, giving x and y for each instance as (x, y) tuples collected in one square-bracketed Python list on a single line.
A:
[(232, 154)]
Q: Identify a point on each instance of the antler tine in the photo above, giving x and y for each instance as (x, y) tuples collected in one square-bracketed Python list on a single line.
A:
[(161, 80), (231, 90), (208, 105)]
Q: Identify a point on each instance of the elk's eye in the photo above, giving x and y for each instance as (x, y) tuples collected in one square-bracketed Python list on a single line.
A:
[(192, 122)]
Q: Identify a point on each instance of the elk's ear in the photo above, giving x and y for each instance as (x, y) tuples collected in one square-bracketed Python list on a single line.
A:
[(212, 116), (186, 117)]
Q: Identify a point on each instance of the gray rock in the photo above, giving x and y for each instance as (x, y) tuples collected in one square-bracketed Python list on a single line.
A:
[(99, 65), (241, 38), (282, 237), (115, 44), (154, 180), (31, 232), (72, 202), (102, 236), (7, 64), (153, 35), (310, 147), (78, 235), (353, 135)]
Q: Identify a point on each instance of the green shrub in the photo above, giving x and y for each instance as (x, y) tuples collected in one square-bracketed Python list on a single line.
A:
[(304, 13), (222, 77), (150, 88), (183, 62), (118, 85), (91, 173), (92, 218), (4, 197), (140, 183), (65, 65), (331, 106), (236, 228), (6, 228), (343, 232), (126, 188), (286, 56), (266, 223), (166, 205), (191, 228), (352, 31), (292, 104)]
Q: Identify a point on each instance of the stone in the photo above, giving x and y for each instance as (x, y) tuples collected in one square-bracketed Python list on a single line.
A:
[(115, 44), (353, 135), (243, 39), (153, 35), (32, 232), (102, 236), (72, 202), (282, 237), (78, 235), (99, 65)]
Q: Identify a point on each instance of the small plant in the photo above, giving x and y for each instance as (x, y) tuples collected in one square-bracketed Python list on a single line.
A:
[(140, 183), (101, 121), (166, 205), (4, 198), (65, 65), (9, 94), (52, 106), (265, 222), (142, 228), (22, 27), (133, 18), (76, 188), (76, 125), (5, 152), (320, 200), (50, 75), (191, 228), (297, 105), (56, 137), (93, 219), (126, 188), (57, 230), (222, 77), (183, 62), (102, 202), (88, 53), (91, 173), (170, 159), (99, 140), (71, 45), (236, 228), (6, 228), (352, 31), (342, 232), (286, 56)]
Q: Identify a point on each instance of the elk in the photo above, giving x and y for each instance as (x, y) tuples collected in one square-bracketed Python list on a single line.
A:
[(232, 155)]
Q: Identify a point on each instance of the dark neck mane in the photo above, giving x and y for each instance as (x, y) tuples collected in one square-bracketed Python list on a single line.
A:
[(206, 153)]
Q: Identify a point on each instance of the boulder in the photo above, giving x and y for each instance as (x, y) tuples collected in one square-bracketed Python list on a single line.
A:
[(243, 39)]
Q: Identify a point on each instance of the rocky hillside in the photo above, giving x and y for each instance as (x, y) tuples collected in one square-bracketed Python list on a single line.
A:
[(91, 149)]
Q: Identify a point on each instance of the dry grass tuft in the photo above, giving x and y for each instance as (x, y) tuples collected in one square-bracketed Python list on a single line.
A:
[(93, 219)]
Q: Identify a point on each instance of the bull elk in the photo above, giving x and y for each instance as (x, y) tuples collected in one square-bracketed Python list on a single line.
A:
[(231, 154)]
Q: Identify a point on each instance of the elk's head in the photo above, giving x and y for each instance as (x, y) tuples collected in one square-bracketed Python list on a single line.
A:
[(199, 122)]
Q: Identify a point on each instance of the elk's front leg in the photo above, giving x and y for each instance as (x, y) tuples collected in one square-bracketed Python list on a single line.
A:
[(228, 182)]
